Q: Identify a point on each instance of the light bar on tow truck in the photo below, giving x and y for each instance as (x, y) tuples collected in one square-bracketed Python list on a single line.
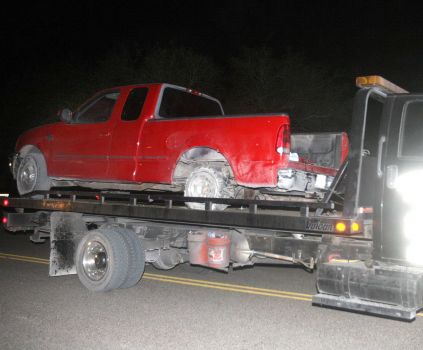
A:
[(379, 82)]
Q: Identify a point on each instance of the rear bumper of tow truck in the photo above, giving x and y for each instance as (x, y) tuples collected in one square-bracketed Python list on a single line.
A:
[(382, 290)]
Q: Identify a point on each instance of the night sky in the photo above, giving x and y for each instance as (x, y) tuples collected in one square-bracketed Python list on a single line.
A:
[(360, 37), (351, 37)]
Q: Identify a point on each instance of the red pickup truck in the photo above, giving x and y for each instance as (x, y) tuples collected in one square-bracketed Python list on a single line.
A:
[(165, 137)]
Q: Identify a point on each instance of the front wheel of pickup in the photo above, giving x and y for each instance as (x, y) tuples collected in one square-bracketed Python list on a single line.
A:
[(207, 182), (32, 174)]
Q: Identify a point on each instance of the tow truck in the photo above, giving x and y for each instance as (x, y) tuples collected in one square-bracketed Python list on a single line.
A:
[(364, 237)]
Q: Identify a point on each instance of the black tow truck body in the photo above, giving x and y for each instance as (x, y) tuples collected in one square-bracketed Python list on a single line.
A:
[(363, 237)]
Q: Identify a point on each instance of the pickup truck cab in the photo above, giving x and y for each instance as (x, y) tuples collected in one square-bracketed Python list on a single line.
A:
[(169, 138)]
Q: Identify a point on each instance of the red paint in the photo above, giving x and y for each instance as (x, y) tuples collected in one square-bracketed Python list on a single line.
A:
[(218, 250), (247, 143), (148, 149), (197, 247), (345, 146)]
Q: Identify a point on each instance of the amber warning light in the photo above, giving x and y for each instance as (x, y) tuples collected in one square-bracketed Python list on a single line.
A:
[(342, 227), (376, 81)]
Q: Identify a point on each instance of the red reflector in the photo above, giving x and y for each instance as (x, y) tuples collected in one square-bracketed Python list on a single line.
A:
[(4, 220), (97, 197), (5, 202)]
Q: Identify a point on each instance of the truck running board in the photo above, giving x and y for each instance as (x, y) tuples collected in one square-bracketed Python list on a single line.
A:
[(364, 306), (382, 289)]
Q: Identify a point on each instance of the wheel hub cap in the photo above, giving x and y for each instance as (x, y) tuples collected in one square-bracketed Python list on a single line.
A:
[(202, 186), (95, 260), (28, 176)]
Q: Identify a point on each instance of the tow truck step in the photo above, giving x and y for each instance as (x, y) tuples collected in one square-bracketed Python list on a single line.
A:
[(364, 306)]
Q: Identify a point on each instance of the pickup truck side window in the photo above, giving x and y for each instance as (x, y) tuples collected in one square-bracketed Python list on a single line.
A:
[(179, 103), (411, 144), (97, 110), (134, 104)]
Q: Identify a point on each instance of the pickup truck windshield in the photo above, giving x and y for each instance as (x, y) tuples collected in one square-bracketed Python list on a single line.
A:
[(98, 109), (179, 103)]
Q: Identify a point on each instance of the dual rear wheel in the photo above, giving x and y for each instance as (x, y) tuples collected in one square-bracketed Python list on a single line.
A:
[(109, 258)]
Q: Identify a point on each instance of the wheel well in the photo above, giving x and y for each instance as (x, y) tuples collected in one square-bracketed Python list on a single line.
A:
[(28, 149), (198, 156), (22, 153)]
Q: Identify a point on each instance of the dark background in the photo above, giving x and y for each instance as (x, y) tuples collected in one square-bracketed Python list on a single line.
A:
[(255, 56)]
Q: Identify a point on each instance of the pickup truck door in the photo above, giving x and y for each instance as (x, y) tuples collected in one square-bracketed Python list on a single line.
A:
[(80, 149), (126, 135), (401, 228)]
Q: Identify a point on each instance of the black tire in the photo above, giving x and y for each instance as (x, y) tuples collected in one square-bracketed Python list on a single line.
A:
[(209, 183), (136, 254), (32, 174), (102, 260)]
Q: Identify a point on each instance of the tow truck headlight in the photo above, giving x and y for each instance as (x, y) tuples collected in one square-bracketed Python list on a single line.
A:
[(413, 232), (412, 225), (409, 186), (414, 255)]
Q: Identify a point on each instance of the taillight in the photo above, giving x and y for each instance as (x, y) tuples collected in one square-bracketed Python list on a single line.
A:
[(4, 220), (283, 142)]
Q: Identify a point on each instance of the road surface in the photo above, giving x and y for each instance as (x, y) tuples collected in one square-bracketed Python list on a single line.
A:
[(186, 308)]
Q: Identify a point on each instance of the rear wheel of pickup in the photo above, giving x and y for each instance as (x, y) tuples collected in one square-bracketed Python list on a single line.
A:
[(32, 174), (207, 182), (102, 260)]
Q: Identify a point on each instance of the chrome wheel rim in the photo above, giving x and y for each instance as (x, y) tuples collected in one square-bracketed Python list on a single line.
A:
[(95, 260), (28, 175), (202, 185)]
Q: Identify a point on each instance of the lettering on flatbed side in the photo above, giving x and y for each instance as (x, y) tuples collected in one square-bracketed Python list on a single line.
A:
[(317, 225), (57, 205)]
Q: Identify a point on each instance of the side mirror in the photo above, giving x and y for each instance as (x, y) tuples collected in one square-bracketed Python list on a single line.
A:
[(65, 115)]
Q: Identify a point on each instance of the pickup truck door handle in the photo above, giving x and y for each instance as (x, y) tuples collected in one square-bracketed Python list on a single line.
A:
[(379, 156), (105, 134)]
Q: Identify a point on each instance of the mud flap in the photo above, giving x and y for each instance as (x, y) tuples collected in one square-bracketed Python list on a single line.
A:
[(67, 229)]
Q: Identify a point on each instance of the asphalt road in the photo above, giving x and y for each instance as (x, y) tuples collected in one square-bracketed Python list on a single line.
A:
[(185, 308)]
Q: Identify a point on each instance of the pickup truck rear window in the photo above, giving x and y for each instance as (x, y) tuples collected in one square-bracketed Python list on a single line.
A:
[(179, 103), (134, 104)]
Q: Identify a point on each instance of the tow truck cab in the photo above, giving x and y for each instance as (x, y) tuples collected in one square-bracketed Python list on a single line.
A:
[(386, 166), (383, 182)]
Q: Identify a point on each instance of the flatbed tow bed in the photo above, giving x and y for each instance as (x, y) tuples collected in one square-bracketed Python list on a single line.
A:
[(361, 257)]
